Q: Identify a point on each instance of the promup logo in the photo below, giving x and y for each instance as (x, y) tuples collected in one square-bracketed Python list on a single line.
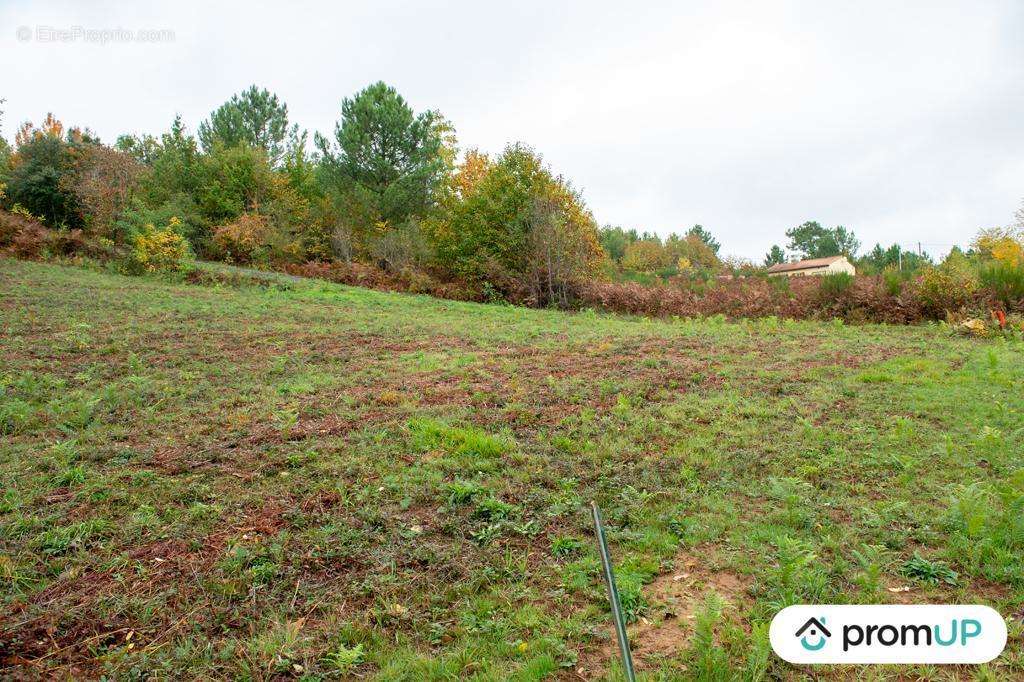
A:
[(888, 634), (817, 629)]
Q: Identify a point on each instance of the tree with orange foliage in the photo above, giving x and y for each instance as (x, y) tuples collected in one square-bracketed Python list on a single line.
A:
[(51, 127), (473, 169)]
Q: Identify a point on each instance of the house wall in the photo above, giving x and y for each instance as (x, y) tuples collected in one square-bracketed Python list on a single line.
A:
[(800, 273), (839, 266)]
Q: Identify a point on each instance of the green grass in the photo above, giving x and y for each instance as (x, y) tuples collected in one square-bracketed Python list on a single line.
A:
[(304, 479)]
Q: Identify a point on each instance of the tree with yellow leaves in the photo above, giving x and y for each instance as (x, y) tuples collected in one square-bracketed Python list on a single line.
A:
[(1002, 244)]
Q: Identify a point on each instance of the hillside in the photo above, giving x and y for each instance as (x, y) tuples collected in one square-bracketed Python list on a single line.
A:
[(323, 480)]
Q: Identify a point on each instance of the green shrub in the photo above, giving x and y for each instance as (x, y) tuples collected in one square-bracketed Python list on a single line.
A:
[(948, 287), (893, 280), (344, 658), (39, 180), (630, 579), (1005, 281), (66, 539), (493, 509), (16, 416), (986, 525), (708, 660), (797, 577), (779, 285), (192, 224), (831, 287)]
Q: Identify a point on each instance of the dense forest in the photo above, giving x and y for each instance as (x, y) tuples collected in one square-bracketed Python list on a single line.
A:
[(389, 199)]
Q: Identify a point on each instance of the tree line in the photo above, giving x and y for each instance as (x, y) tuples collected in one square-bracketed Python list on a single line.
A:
[(388, 188)]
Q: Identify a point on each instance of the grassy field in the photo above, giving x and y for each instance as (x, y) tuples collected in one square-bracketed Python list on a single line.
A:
[(321, 481)]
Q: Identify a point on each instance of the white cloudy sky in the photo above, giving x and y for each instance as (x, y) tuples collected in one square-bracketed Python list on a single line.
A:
[(901, 120)]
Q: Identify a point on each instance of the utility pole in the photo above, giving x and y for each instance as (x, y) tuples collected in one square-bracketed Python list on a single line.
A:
[(899, 251)]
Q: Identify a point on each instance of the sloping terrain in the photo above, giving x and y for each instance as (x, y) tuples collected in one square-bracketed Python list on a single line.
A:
[(321, 481)]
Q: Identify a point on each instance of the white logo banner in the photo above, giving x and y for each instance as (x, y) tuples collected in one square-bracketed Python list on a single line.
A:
[(887, 634)]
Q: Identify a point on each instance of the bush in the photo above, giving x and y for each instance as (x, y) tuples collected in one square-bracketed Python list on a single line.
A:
[(23, 234), (1004, 282), (856, 299), (162, 249), (399, 247), (65, 242), (895, 280), (947, 288), (102, 181), (30, 242), (26, 237), (11, 223), (244, 240), (646, 256), (831, 287), (191, 223), (362, 275)]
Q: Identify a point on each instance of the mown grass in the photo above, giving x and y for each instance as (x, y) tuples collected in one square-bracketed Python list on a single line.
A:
[(317, 481)]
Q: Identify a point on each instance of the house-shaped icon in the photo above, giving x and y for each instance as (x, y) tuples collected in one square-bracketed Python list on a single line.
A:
[(814, 623)]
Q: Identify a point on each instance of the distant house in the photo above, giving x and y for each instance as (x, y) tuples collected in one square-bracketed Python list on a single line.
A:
[(815, 266)]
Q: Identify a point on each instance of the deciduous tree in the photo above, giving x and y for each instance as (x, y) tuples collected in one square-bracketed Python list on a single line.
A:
[(41, 160), (693, 251), (1003, 244), (103, 180), (518, 228), (646, 255)]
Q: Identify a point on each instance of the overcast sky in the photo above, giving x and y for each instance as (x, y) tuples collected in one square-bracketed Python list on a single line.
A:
[(903, 121)]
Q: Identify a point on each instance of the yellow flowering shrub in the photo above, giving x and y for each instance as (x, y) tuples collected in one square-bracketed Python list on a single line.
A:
[(155, 249)]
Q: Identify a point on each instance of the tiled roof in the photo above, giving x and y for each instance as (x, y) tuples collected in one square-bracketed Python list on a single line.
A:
[(805, 264)]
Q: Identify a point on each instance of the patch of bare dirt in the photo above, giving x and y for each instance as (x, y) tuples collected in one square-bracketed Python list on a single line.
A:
[(674, 601)]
